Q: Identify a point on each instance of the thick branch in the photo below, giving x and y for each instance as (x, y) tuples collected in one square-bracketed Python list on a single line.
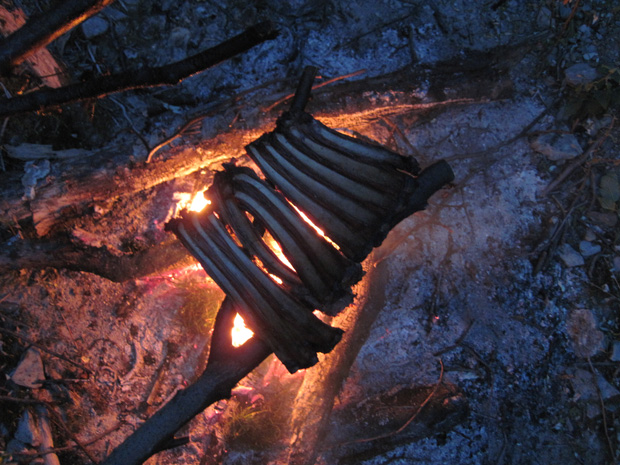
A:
[(146, 77), (42, 29), (226, 367), (62, 253)]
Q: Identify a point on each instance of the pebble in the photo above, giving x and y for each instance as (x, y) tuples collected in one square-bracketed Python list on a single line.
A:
[(580, 74), (617, 264), (94, 27), (570, 256), (588, 249), (615, 352), (29, 372), (557, 146)]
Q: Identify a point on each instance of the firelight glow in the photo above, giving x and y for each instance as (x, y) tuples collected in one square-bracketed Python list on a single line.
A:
[(199, 202), (240, 332), (318, 230)]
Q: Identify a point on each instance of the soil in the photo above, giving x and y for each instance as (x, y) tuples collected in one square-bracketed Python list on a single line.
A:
[(501, 298)]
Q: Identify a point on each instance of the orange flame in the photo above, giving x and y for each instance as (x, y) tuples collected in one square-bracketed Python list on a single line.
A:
[(195, 204), (240, 332), (199, 202)]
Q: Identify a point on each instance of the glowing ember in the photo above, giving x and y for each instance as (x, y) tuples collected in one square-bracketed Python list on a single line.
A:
[(275, 247), (240, 332), (318, 230)]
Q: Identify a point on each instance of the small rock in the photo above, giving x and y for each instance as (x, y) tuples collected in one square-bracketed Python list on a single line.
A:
[(615, 352), (570, 256), (603, 219), (557, 146), (589, 235), (29, 372), (27, 430), (617, 264), (33, 172), (609, 393), (588, 249), (94, 27), (587, 339), (580, 74)]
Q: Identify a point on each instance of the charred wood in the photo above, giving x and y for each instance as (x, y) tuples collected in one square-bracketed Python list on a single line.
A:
[(42, 29), (169, 74), (355, 216), (327, 274)]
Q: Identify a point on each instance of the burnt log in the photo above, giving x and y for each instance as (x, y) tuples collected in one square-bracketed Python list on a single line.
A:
[(225, 368)]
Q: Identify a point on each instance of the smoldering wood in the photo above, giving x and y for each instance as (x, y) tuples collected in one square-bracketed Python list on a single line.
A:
[(166, 75), (45, 27), (334, 199), (325, 272)]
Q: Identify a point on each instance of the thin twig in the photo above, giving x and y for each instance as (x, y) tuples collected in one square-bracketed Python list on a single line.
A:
[(59, 422), (594, 146), (524, 132), (612, 453)]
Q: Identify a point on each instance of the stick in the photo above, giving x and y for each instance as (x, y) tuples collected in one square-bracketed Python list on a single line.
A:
[(302, 94), (42, 29), (225, 368), (146, 77)]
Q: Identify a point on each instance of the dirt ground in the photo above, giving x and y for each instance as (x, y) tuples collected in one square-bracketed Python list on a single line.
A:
[(504, 292)]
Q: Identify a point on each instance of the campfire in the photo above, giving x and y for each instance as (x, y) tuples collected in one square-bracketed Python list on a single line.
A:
[(284, 236)]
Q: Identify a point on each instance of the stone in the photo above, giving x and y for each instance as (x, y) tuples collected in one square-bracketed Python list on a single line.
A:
[(29, 372), (587, 249), (570, 256), (615, 352), (94, 27), (580, 74), (586, 338), (27, 429), (557, 146)]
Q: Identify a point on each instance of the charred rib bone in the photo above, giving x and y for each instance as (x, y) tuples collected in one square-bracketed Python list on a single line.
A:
[(287, 326), (326, 272)]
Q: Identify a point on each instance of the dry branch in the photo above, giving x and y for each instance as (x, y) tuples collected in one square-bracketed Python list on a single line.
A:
[(42, 29), (169, 74), (63, 253)]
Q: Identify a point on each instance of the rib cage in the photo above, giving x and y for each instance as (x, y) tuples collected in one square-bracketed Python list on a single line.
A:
[(353, 190)]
